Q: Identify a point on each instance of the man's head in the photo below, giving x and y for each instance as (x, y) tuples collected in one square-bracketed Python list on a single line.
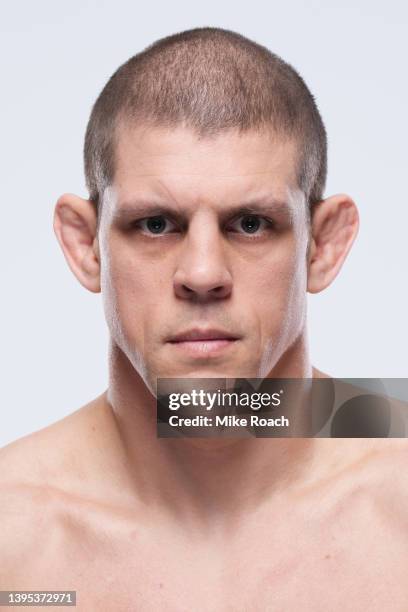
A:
[(203, 157), (211, 81)]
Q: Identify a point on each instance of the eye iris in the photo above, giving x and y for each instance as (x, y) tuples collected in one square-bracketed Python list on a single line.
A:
[(155, 224), (250, 224)]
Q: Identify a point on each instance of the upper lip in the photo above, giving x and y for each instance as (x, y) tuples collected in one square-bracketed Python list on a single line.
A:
[(203, 334)]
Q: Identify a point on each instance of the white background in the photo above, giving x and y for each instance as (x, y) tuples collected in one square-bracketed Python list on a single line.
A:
[(57, 56)]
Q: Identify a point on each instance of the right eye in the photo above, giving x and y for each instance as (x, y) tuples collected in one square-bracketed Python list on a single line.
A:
[(153, 225)]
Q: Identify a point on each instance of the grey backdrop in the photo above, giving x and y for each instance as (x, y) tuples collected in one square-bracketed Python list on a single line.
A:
[(56, 57)]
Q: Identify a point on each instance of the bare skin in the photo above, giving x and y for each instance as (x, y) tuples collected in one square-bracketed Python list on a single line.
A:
[(324, 528), (98, 504)]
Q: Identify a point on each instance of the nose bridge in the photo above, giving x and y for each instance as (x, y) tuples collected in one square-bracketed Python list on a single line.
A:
[(204, 237), (202, 267)]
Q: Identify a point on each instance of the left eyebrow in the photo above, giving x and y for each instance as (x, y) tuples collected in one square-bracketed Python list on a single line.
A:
[(140, 209), (272, 207)]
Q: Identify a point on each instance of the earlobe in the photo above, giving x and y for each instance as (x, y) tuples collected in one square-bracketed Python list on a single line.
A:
[(75, 226), (335, 225)]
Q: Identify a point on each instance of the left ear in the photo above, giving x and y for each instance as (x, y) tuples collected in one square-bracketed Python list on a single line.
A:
[(335, 225)]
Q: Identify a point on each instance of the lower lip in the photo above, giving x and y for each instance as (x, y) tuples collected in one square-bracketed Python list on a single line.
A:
[(204, 347)]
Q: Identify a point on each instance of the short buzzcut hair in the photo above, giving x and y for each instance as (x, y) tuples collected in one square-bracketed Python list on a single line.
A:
[(209, 80)]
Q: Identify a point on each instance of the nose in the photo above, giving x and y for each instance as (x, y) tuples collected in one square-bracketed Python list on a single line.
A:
[(202, 273)]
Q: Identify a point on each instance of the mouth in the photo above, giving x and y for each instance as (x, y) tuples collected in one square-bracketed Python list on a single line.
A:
[(201, 342)]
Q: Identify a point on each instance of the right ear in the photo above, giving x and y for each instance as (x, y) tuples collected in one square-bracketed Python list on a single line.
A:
[(75, 225)]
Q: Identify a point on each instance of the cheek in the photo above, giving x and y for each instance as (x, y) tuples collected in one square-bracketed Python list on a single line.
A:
[(279, 279), (131, 292)]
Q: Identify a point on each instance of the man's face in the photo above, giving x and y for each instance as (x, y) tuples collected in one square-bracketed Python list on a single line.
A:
[(201, 261)]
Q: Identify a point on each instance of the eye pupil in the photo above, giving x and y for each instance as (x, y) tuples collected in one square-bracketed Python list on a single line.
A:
[(155, 224), (251, 224)]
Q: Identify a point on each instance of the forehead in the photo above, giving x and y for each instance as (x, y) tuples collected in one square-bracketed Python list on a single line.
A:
[(176, 164)]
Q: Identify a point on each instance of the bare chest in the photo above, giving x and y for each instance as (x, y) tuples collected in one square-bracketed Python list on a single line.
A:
[(353, 559)]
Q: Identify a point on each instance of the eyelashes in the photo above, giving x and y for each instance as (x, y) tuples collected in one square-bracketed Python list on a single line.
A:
[(255, 225)]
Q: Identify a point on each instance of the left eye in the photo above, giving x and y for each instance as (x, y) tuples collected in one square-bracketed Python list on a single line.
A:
[(251, 223)]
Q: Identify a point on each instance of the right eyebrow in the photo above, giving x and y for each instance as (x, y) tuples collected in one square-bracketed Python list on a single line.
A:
[(129, 211)]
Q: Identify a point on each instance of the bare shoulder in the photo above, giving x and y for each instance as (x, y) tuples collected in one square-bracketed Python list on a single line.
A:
[(43, 456), (38, 475), (379, 477), (380, 490), (383, 461), (361, 470), (388, 460)]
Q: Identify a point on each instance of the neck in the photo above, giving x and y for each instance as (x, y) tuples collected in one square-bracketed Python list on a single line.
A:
[(202, 478)]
